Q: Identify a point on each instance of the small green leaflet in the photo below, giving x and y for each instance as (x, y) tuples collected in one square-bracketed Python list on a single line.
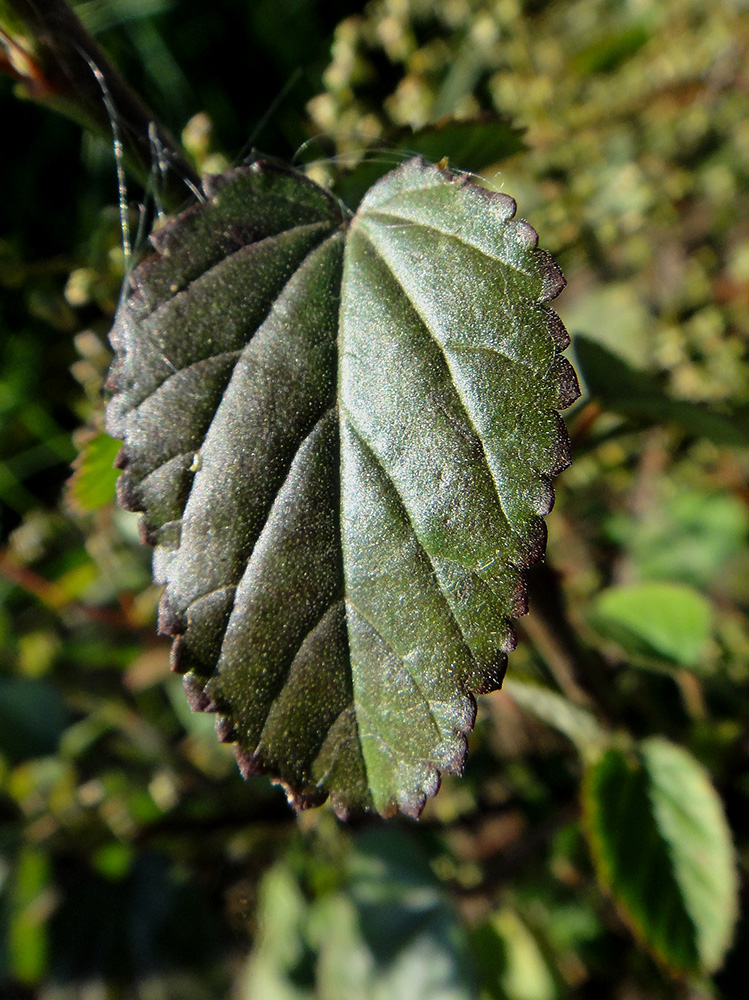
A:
[(341, 430)]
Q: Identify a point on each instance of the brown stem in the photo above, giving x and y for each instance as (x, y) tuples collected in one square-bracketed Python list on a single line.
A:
[(580, 673), (67, 70), (560, 659), (53, 597)]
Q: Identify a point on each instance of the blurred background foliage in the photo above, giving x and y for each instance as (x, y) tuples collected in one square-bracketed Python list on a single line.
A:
[(134, 861)]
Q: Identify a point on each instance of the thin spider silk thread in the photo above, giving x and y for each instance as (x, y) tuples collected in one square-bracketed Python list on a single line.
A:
[(119, 160)]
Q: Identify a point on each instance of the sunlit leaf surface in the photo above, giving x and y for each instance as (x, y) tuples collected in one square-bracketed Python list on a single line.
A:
[(342, 432)]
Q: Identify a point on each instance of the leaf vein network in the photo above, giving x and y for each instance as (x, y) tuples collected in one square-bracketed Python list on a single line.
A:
[(461, 402), (421, 547)]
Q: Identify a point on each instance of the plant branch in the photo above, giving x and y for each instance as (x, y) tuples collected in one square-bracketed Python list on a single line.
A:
[(580, 673), (56, 600), (58, 63)]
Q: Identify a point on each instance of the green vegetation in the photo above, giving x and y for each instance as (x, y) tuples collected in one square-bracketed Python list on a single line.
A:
[(596, 843)]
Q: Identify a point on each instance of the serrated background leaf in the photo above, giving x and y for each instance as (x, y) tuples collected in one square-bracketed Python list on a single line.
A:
[(93, 482), (662, 847), (344, 458)]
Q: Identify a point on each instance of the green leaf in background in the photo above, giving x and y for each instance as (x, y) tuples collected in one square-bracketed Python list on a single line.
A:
[(344, 459), (626, 334), (94, 479), (606, 54), (662, 848), (668, 621), (33, 716), (388, 933), (30, 902), (282, 964), (633, 394), (511, 960), (689, 536)]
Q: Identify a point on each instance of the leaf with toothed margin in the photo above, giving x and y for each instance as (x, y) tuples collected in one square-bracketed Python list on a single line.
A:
[(341, 431), (662, 848)]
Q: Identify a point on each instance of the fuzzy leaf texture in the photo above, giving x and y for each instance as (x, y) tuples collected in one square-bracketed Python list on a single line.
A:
[(341, 430)]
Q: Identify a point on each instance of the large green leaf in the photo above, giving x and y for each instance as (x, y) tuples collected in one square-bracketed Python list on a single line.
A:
[(662, 847), (341, 431)]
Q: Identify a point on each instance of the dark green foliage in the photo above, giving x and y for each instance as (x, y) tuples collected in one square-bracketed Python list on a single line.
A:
[(386, 929), (32, 718), (634, 395), (473, 145)]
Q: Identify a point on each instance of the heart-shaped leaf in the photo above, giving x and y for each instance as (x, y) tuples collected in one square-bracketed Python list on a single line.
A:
[(341, 431)]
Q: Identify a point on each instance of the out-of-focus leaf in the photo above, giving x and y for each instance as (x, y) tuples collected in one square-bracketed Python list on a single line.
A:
[(344, 461), (32, 718), (37, 652), (662, 848), (577, 724), (471, 144), (608, 53), (688, 537), (626, 332), (667, 620), (114, 860), (30, 903), (93, 482), (389, 933), (511, 961), (99, 18), (282, 964), (394, 934), (633, 394)]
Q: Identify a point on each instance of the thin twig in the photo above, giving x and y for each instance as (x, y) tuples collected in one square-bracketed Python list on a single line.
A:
[(52, 596), (578, 670), (59, 72)]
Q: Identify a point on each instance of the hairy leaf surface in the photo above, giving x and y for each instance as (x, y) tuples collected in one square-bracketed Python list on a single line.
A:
[(342, 431)]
